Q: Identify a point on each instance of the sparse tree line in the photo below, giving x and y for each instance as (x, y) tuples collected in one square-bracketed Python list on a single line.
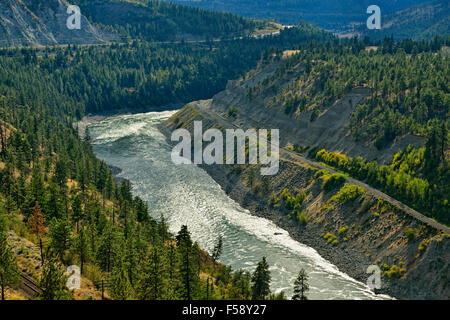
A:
[(408, 84), (419, 177)]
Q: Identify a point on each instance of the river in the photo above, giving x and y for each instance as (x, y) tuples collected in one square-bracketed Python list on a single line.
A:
[(186, 194)]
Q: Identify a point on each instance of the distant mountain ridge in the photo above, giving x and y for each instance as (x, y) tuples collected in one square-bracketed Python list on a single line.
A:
[(423, 21), (418, 19), (328, 14)]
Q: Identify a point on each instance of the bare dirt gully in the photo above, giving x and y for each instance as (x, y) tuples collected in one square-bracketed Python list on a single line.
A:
[(286, 154)]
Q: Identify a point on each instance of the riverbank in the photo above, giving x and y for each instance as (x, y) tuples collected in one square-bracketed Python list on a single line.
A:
[(413, 257)]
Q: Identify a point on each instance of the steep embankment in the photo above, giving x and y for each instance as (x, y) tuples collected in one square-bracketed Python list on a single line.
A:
[(348, 225), (423, 21), (44, 22), (30, 22), (330, 130)]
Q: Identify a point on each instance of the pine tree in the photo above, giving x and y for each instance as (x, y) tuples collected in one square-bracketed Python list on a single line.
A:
[(152, 283), (60, 230), (188, 273), (217, 251), (81, 245), (9, 271), (120, 287), (53, 280), (77, 210), (301, 286), (261, 281)]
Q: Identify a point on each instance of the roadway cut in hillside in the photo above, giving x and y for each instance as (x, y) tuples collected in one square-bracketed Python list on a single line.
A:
[(204, 106)]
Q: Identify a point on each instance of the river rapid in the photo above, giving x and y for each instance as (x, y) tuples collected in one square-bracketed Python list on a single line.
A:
[(186, 194)]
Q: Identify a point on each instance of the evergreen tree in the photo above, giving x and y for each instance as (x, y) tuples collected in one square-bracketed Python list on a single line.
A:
[(60, 231), (53, 280), (120, 286), (9, 271), (301, 286), (261, 281), (187, 271), (151, 285)]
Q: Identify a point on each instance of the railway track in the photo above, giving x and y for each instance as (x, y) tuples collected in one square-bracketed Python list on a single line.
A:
[(29, 287), (292, 156)]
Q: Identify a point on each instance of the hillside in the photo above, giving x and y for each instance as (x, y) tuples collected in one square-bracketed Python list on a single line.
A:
[(323, 101), (423, 21), (42, 22), (330, 14), (349, 222), (31, 22)]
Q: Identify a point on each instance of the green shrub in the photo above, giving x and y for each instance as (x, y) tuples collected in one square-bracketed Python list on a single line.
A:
[(302, 218), (273, 200), (394, 272), (331, 238), (347, 193), (333, 181)]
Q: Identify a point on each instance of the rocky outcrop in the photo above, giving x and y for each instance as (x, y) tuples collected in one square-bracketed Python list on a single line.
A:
[(31, 22)]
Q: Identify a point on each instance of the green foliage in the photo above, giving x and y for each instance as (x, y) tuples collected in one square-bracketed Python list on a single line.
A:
[(411, 233), (294, 204), (53, 280), (347, 193), (415, 176), (163, 21), (392, 272), (241, 286), (261, 281), (9, 271), (274, 200), (301, 286), (331, 238), (302, 217), (333, 181), (343, 230)]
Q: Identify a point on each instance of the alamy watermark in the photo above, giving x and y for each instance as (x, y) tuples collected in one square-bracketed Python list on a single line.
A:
[(374, 21), (237, 144), (74, 20), (74, 280), (374, 280)]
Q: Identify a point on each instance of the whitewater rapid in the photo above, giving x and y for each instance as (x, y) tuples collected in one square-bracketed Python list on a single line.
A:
[(186, 194)]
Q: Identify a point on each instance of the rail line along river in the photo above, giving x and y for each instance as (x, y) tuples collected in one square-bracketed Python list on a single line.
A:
[(186, 194)]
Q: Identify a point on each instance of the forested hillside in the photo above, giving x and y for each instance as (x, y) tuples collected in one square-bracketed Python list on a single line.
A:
[(160, 21), (329, 14), (43, 22), (405, 97), (423, 21)]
